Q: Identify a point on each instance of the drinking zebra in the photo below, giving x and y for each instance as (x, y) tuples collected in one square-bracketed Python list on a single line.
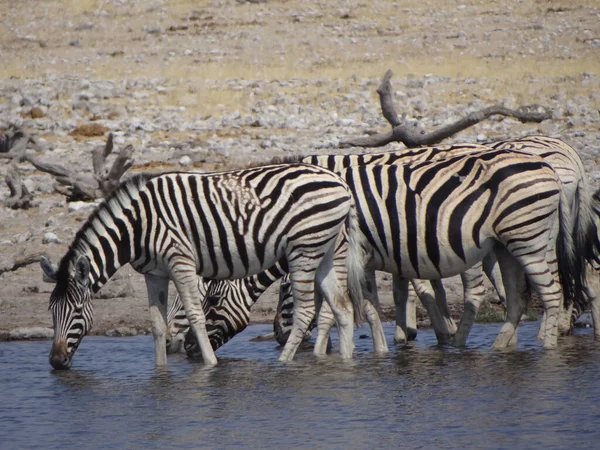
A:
[(227, 306), (444, 178), (219, 225)]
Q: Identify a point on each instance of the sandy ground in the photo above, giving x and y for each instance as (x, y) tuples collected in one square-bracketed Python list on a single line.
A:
[(221, 84)]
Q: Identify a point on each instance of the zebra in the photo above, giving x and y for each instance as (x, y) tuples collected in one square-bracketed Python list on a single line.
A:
[(227, 306), (458, 210), (568, 166), (238, 289), (432, 175), (219, 225)]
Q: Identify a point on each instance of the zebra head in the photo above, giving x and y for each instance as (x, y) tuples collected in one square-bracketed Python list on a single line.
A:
[(71, 308)]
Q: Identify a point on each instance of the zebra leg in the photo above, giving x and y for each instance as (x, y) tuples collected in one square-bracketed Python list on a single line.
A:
[(411, 315), (474, 294), (158, 290), (442, 304), (595, 307), (565, 322), (492, 270), (512, 273), (372, 313), (303, 277), (339, 301), (542, 330), (325, 321), (428, 298), (186, 283), (401, 294)]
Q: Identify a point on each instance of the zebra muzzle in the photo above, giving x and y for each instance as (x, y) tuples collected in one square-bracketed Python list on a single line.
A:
[(59, 356)]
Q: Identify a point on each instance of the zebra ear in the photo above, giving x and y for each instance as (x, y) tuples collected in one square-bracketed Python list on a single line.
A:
[(82, 270), (49, 270)]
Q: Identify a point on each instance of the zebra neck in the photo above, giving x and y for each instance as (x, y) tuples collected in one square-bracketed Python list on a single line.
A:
[(107, 252), (102, 266), (256, 285)]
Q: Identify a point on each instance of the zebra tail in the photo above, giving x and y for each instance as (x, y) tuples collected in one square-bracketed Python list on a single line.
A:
[(593, 236), (571, 255), (355, 262)]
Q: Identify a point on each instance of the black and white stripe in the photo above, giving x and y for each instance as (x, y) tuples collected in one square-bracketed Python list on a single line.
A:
[(567, 164), (443, 247), (227, 306), (220, 225)]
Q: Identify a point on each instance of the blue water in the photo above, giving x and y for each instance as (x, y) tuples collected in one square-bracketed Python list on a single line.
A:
[(418, 396)]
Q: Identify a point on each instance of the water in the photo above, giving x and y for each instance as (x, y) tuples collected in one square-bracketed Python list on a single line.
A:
[(419, 396)]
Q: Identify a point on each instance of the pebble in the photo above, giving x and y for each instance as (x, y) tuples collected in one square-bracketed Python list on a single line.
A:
[(51, 238)]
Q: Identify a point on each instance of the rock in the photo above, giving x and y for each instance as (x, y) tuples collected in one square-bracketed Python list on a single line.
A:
[(81, 207), (34, 113), (121, 331), (185, 160), (116, 289), (26, 333), (585, 320), (6, 263), (152, 29), (84, 26), (51, 238)]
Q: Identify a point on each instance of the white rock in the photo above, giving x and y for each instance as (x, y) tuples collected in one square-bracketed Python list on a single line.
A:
[(185, 160), (81, 206), (50, 238)]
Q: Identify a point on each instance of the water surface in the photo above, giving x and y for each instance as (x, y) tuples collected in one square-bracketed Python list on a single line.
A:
[(418, 396)]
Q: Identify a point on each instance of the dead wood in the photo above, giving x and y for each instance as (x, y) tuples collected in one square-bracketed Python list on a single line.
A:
[(15, 142), (76, 185), (12, 264), (20, 197), (411, 133)]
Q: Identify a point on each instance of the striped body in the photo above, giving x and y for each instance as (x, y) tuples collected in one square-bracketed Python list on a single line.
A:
[(415, 229), (221, 225), (237, 302), (567, 164)]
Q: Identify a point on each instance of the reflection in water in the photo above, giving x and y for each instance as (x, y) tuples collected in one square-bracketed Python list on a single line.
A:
[(420, 395)]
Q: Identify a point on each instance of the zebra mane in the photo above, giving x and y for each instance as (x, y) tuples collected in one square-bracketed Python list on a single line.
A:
[(133, 183)]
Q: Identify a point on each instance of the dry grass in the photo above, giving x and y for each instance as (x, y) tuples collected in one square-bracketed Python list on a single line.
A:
[(282, 41)]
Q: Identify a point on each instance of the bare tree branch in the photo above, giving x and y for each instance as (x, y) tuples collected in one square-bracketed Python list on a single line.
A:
[(13, 264), (52, 169), (412, 134), (109, 180), (14, 144), (85, 186), (20, 197)]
